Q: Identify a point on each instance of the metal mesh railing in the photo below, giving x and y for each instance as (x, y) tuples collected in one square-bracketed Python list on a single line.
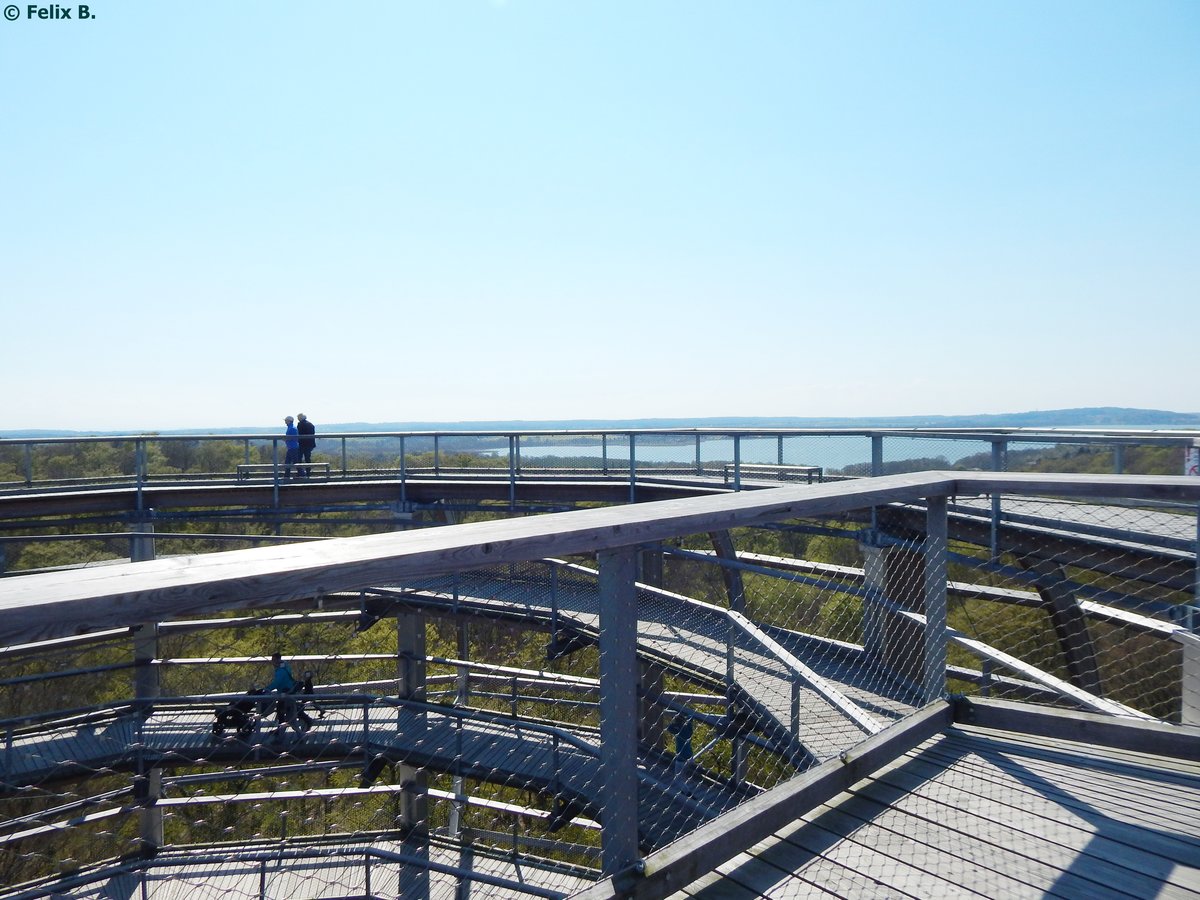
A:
[(459, 727)]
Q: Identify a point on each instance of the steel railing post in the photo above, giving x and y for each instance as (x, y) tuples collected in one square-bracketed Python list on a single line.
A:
[(936, 568), (403, 474), (275, 472), (999, 464), (139, 469), (513, 463), (632, 467)]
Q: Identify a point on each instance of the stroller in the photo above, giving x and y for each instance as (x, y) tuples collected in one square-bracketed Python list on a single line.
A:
[(241, 715)]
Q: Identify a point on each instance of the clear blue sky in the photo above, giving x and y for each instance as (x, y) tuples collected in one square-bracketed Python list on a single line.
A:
[(215, 213)]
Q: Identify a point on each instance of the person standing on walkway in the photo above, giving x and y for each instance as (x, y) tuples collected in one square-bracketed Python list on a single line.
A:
[(307, 442), (292, 443)]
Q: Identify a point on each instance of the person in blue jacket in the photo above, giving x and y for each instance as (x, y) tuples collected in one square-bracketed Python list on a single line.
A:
[(292, 442), (287, 710)]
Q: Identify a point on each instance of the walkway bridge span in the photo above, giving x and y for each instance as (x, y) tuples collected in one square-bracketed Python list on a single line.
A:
[(797, 715)]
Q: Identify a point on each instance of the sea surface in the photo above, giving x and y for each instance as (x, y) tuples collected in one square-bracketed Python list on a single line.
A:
[(832, 452)]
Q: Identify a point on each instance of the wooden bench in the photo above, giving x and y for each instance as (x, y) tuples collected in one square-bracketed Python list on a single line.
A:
[(246, 471), (771, 472)]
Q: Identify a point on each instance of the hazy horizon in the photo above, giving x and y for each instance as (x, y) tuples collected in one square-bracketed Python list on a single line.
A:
[(1085, 417)]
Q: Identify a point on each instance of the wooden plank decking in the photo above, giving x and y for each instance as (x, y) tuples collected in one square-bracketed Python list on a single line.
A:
[(986, 813)]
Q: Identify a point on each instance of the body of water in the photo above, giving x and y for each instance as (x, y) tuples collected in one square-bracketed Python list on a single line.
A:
[(833, 452)]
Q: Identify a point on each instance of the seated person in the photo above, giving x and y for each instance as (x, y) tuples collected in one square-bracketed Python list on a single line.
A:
[(287, 710)]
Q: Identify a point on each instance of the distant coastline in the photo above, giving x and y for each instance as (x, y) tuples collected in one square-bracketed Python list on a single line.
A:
[(1082, 417)]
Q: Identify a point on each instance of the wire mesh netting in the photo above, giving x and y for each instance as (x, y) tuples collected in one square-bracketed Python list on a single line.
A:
[(448, 729)]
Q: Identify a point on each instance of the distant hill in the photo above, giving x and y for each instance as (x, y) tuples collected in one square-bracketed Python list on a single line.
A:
[(1087, 417)]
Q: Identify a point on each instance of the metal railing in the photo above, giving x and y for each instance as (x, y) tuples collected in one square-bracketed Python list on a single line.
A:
[(810, 658), (730, 455)]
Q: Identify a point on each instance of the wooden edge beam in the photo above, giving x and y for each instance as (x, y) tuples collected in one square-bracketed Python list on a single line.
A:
[(1139, 735), (673, 867)]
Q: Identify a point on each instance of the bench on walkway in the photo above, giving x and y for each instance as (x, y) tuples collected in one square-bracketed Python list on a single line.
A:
[(246, 471), (791, 474)]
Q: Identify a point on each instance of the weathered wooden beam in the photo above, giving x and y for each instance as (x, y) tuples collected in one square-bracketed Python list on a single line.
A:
[(618, 709), (1138, 735), (58, 603)]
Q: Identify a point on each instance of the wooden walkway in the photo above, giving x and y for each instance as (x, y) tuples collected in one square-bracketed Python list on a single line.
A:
[(502, 751), (985, 813), (812, 709), (336, 869)]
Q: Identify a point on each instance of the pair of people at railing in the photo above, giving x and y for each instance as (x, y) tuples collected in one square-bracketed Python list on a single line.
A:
[(299, 442)]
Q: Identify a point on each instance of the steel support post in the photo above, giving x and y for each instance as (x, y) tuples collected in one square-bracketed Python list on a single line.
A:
[(876, 471), (462, 697), (737, 462), (618, 710), (999, 464), (514, 463), (139, 469), (147, 785), (1118, 459), (936, 555), (632, 468), (735, 590), (141, 542), (1196, 564), (699, 463), (28, 465), (403, 479), (410, 685), (275, 476)]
